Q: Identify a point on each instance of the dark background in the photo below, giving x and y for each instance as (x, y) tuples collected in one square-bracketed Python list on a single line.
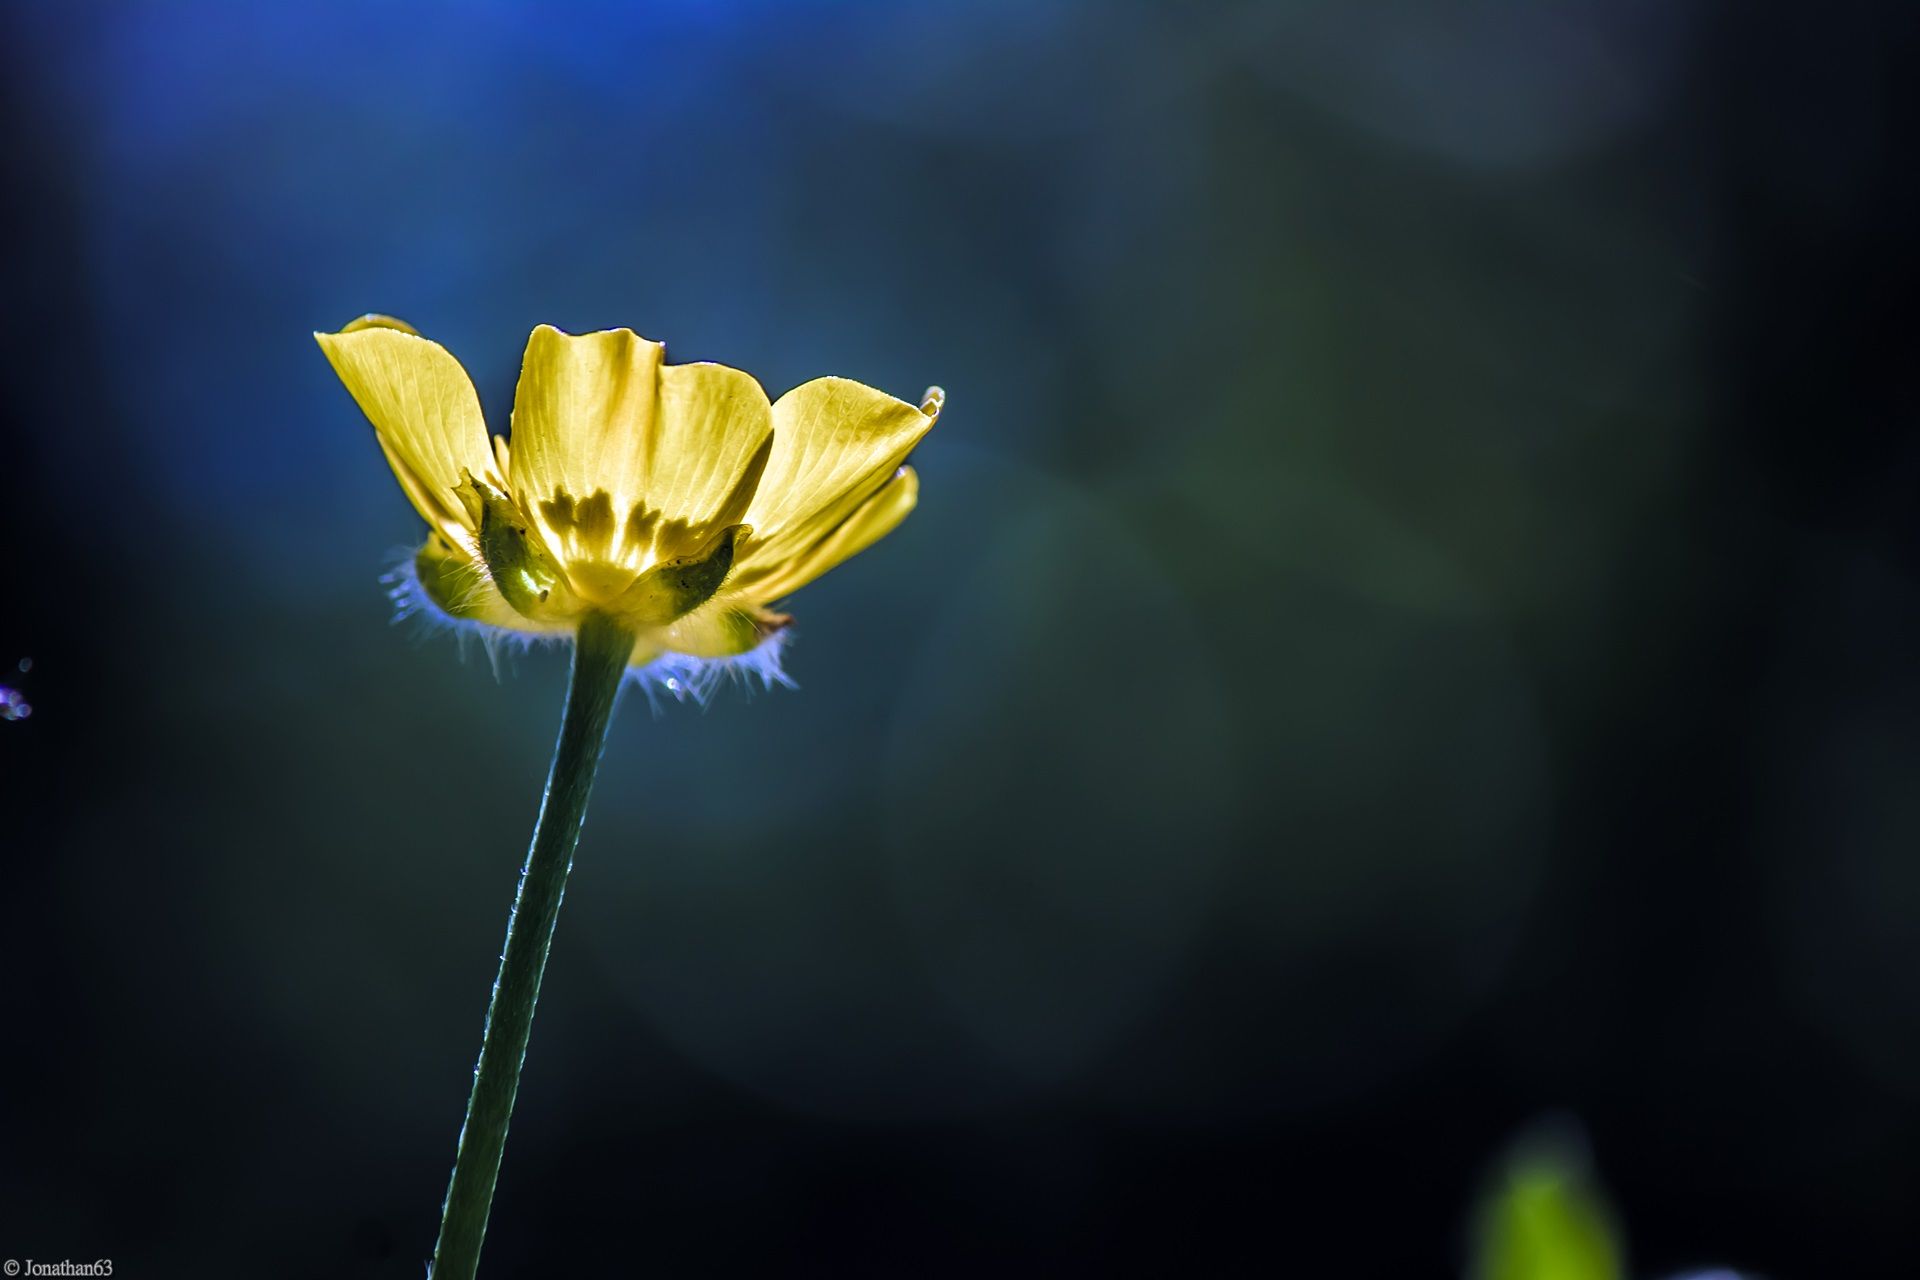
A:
[(1411, 625)]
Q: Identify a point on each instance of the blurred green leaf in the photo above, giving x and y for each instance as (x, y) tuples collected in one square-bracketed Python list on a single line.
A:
[(1544, 1219)]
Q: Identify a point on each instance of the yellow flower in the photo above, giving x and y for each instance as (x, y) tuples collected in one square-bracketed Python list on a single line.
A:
[(673, 499)]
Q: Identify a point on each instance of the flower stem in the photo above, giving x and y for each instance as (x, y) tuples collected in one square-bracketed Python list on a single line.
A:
[(600, 654)]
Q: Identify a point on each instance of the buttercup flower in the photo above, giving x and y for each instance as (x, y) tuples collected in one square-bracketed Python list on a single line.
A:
[(674, 500), (654, 514)]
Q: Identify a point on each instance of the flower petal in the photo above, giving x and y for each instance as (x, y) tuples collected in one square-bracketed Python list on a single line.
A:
[(374, 320), (423, 407), (871, 521), (676, 450), (582, 413), (834, 443), (707, 457)]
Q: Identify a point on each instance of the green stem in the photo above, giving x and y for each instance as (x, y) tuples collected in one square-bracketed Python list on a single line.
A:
[(600, 654)]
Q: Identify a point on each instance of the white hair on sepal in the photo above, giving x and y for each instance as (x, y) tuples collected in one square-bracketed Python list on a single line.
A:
[(678, 676), (412, 603), (685, 678)]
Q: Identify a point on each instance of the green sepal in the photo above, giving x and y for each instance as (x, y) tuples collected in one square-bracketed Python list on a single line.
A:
[(517, 563), (674, 588), (447, 579)]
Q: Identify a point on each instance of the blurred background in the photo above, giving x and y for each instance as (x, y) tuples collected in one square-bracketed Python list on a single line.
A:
[(1412, 624)]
